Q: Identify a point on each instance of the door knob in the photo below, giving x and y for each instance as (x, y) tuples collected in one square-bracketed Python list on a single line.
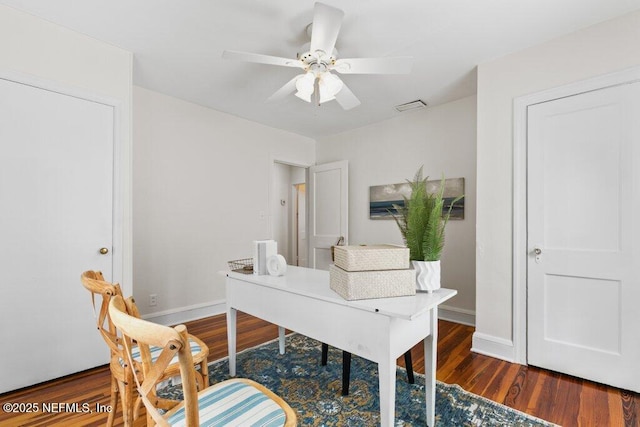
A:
[(538, 254), (104, 251)]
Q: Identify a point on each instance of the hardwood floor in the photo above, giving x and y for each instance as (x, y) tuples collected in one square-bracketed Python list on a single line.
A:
[(558, 398)]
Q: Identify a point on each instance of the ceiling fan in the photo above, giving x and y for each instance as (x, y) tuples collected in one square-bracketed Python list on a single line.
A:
[(317, 81)]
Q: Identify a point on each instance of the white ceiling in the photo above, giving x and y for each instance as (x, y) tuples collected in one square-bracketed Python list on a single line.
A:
[(177, 46)]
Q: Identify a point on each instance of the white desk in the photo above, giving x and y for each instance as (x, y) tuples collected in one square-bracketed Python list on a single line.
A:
[(380, 330)]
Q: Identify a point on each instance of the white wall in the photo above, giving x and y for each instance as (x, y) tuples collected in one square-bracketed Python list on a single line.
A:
[(201, 192), (594, 51), (40, 50), (443, 139)]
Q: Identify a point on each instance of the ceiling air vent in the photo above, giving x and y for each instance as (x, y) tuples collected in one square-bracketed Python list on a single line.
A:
[(413, 105)]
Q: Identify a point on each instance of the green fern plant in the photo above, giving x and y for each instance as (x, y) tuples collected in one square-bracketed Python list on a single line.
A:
[(421, 220)]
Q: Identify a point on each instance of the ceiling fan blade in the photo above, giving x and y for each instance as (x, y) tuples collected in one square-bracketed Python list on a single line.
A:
[(262, 59), (326, 26), (388, 65), (285, 90), (346, 98)]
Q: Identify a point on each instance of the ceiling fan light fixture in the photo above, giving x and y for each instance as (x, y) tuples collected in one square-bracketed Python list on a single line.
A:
[(332, 83), (305, 83), (325, 94), (305, 88), (328, 86), (305, 96), (319, 57)]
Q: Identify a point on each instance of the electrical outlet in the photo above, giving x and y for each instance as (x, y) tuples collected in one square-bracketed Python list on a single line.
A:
[(153, 300)]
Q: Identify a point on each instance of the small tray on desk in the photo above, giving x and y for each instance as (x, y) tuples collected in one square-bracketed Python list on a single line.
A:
[(244, 266)]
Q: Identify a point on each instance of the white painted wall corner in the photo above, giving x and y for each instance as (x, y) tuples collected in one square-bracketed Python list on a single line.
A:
[(497, 347), (457, 315)]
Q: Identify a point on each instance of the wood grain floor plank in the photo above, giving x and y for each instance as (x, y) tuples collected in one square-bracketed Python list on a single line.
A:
[(594, 406), (630, 408), (555, 397)]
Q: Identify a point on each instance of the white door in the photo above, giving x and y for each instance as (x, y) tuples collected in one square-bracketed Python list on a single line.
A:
[(583, 191), (328, 195), (56, 189)]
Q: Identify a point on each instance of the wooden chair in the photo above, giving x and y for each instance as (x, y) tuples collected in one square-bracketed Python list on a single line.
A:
[(122, 379), (231, 402), (346, 367)]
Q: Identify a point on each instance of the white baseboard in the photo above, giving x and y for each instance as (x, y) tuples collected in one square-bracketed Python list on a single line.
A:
[(179, 315), (457, 315), (489, 345)]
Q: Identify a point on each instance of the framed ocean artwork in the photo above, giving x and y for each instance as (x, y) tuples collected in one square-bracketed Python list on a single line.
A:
[(383, 197)]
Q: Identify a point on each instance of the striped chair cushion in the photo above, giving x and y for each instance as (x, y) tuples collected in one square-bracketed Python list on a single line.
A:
[(155, 352), (234, 403)]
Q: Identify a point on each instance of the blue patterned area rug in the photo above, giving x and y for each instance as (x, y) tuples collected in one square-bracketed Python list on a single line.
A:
[(313, 390)]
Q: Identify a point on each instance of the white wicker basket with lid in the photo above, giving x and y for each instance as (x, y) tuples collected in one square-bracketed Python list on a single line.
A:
[(372, 284), (371, 257)]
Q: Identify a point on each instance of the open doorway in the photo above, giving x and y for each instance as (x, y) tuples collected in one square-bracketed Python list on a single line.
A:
[(299, 224), (289, 212)]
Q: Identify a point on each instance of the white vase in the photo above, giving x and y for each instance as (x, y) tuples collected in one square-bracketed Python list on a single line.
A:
[(427, 275)]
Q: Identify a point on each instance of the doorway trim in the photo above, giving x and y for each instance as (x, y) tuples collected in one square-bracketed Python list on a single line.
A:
[(295, 223), (519, 245), (271, 203)]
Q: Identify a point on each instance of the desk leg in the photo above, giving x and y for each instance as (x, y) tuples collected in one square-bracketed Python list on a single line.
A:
[(231, 339), (430, 363), (281, 339), (387, 379)]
